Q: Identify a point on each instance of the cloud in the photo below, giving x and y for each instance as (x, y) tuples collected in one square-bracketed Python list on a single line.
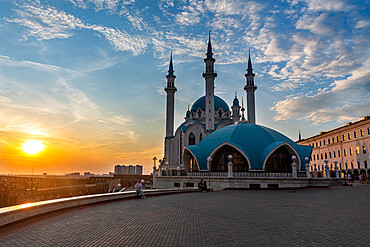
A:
[(328, 5), (50, 23), (348, 98)]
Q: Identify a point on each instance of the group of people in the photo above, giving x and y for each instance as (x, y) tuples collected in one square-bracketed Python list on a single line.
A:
[(139, 188), (202, 185)]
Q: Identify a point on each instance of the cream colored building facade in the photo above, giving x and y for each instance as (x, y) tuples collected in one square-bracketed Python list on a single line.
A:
[(348, 145)]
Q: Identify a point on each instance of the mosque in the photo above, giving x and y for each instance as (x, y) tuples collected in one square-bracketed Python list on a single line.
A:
[(223, 147)]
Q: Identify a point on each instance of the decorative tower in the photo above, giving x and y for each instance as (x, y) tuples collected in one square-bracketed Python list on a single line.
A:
[(250, 88), (236, 110), (210, 75), (170, 110)]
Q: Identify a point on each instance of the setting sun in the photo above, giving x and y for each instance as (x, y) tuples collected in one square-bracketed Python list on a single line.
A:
[(33, 146)]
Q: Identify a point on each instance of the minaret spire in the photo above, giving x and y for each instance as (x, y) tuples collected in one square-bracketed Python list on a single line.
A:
[(170, 112), (170, 69), (235, 109), (209, 75), (209, 48), (299, 135), (250, 88)]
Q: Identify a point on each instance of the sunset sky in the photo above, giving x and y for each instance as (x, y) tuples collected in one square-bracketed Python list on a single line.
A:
[(86, 77)]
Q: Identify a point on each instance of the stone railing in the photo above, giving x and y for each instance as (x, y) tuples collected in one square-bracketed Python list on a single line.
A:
[(241, 174)]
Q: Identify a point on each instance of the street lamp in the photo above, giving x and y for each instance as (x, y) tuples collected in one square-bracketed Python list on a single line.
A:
[(178, 175), (209, 159)]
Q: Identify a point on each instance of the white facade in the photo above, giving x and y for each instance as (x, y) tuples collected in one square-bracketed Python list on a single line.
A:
[(348, 145)]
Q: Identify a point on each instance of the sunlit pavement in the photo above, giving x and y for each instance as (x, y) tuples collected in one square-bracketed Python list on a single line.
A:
[(337, 216)]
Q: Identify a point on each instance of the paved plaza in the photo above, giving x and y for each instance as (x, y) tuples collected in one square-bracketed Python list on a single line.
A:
[(337, 216)]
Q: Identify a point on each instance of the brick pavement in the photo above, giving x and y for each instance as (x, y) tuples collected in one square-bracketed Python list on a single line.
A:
[(337, 216)]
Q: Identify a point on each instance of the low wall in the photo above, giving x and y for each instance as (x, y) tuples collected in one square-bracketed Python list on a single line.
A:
[(12, 214), (221, 183)]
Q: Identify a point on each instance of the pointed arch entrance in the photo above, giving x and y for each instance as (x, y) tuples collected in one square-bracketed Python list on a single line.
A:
[(280, 160), (220, 160), (190, 162)]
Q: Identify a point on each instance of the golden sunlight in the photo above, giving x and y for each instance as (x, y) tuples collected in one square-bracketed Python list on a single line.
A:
[(33, 146)]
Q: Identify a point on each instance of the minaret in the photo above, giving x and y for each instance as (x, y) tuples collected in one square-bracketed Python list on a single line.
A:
[(210, 76), (236, 110), (250, 88), (170, 110)]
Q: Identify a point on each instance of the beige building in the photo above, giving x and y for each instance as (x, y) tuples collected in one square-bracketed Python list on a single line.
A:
[(348, 145)]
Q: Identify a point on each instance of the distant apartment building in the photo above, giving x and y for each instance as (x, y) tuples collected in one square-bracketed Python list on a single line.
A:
[(126, 170), (348, 145)]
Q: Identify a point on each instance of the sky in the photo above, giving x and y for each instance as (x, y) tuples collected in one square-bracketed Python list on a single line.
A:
[(87, 77)]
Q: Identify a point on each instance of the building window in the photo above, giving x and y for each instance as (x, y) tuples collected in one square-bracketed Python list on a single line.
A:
[(320, 144), (337, 138), (351, 151), (313, 157), (326, 156), (346, 166), (365, 164), (345, 152), (317, 156), (349, 136), (343, 138), (321, 156), (316, 144), (328, 141), (338, 153), (334, 154), (332, 140), (330, 155), (340, 165), (357, 150), (362, 132), (368, 130), (355, 134), (364, 149), (358, 165), (352, 166), (324, 142)]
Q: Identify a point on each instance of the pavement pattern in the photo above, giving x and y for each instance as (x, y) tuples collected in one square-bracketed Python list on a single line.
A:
[(337, 216)]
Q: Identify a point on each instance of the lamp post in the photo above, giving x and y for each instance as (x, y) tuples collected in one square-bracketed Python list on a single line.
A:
[(160, 168), (315, 170), (209, 159), (327, 169), (294, 167), (230, 166), (336, 169), (178, 175), (154, 167), (307, 167)]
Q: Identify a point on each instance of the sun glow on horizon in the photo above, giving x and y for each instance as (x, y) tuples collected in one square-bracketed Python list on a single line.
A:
[(32, 146)]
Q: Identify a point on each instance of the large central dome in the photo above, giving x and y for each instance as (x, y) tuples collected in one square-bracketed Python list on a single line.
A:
[(254, 141), (201, 103)]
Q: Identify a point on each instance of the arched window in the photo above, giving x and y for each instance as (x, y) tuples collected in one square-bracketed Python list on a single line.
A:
[(279, 161), (191, 139), (220, 113), (220, 160), (199, 113), (200, 137)]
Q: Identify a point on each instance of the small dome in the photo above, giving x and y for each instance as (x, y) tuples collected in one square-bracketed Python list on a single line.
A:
[(201, 103), (236, 102), (255, 141)]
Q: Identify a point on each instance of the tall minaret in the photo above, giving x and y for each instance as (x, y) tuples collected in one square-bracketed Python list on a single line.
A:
[(210, 76), (170, 110), (250, 88)]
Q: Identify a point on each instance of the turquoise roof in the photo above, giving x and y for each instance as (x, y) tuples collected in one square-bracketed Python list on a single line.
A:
[(201, 103), (255, 141)]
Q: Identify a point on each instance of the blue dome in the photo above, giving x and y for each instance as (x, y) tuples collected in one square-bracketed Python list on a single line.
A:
[(255, 141), (201, 103)]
